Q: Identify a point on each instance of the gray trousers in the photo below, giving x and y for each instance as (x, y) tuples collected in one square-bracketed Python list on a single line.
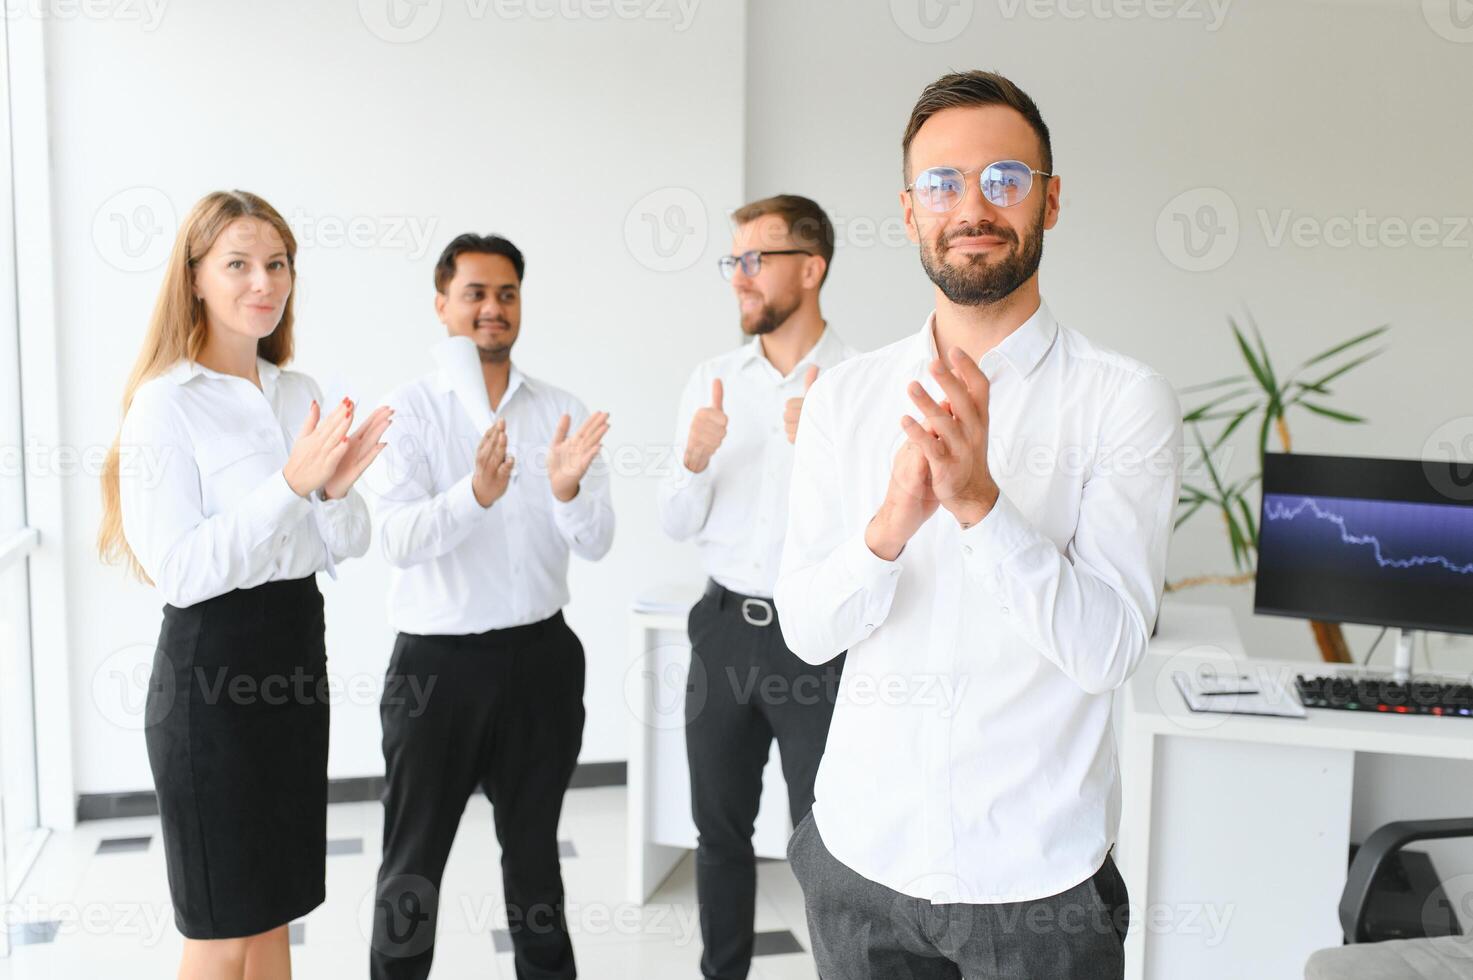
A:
[(861, 930)]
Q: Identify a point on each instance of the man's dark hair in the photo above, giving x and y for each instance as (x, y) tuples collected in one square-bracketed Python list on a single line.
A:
[(973, 88), (482, 244), (808, 226)]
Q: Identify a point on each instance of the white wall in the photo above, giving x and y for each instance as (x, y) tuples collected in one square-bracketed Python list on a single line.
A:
[(551, 132)]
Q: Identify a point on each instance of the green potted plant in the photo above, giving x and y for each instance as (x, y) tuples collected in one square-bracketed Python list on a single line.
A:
[(1265, 398)]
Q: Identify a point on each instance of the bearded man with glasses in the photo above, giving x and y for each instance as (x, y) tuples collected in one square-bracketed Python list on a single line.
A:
[(728, 491), (969, 834)]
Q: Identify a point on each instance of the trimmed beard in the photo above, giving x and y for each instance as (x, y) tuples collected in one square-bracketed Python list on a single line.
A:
[(769, 318), (981, 282), (494, 355)]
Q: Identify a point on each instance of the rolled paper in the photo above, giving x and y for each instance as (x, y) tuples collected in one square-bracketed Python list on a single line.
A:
[(461, 362)]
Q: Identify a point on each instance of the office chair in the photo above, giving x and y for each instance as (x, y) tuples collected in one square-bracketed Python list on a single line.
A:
[(1436, 958)]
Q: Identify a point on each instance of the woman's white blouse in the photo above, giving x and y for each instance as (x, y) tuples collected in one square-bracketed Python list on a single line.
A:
[(206, 508)]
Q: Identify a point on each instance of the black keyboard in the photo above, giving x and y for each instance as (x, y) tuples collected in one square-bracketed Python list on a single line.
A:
[(1381, 694)]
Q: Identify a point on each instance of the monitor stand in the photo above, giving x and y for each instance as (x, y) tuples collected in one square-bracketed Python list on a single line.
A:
[(1401, 670)]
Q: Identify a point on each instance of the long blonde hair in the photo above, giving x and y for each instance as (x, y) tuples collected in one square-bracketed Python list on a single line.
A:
[(178, 330)]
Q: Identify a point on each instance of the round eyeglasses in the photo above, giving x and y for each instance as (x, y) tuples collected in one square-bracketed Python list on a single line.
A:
[(1004, 184), (751, 262)]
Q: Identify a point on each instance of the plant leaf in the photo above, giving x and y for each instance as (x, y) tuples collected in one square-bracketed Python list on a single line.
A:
[(1221, 497), (1235, 536), (1248, 521), (1346, 345), (1268, 419), (1202, 409), (1253, 365), (1268, 367), (1188, 513), (1231, 426), (1319, 383), (1195, 494), (1332, 413), (1236, 379)]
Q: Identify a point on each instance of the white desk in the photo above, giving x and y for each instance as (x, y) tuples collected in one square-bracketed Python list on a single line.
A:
[(1248, 817), (660, 830)]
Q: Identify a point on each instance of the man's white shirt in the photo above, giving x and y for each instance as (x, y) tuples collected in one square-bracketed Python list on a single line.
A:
[(460, 568), (736, 508), (970, 757)]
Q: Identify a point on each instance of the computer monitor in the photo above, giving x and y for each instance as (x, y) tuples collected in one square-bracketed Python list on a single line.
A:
[(1387, 542)]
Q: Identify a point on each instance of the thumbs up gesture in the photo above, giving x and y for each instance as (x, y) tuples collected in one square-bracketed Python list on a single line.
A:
[(707, 430), (795, 405)]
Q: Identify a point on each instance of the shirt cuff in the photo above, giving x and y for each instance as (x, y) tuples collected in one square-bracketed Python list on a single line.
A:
[(280, 504), (688, 479), (997, 537), (865, 568), (574, 516), (462, 502), (323, 522)]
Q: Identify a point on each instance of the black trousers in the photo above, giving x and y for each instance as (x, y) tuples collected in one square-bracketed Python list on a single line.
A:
[(862, 930), (745, 688), (502, 711)]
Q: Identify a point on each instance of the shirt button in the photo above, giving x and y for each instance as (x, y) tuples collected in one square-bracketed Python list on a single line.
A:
[(869, 626), (967, 548), (1004, 610)]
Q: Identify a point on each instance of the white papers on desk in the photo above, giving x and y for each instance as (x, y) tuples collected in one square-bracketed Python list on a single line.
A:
[(666, 600), (1271, 697)]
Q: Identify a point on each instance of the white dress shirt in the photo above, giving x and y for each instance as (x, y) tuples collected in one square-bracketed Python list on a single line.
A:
[(206, 508), (461, 568), (737, 507), (970, 757)]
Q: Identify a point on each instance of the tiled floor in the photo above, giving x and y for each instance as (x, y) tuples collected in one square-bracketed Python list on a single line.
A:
[(97, 904)]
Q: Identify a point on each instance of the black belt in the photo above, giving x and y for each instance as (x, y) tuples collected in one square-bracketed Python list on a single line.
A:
[(507, 634), (756, 610)]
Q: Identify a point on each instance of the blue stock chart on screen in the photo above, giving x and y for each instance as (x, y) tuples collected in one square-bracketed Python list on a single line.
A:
[(1388, 542)]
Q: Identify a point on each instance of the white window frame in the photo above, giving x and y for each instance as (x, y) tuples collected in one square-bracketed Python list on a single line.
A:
[(44, 541)]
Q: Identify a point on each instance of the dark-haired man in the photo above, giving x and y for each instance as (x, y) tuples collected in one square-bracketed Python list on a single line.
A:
[(729, 490), (485, 687), (963, 828)]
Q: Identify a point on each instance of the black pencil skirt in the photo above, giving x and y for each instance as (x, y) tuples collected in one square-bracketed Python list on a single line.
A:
[(237, 718)]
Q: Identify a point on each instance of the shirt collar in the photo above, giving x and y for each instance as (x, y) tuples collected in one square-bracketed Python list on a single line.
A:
[(1023, 349), (514, 381), (752, 352), (186, 370)]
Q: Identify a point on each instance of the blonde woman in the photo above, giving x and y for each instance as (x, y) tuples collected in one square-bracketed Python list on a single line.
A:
[(254, 499)]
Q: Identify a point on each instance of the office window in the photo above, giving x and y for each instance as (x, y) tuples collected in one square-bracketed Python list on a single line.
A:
[(19, 829)]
